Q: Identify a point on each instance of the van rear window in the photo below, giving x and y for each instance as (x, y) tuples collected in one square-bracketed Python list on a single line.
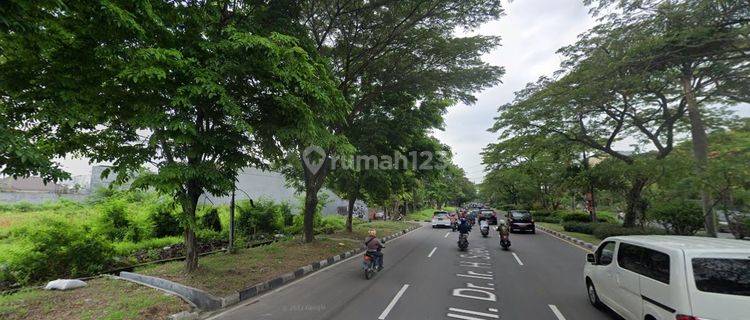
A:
[(727, 276)]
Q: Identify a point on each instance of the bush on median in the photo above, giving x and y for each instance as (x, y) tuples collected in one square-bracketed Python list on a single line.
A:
[(546, 216), (679, 217), (575, 217), (605, 230)]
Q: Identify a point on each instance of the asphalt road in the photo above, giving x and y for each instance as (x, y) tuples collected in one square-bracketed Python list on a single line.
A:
[(427, 277)]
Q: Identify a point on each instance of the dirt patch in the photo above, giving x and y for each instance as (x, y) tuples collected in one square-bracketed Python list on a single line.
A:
[(103, 298)]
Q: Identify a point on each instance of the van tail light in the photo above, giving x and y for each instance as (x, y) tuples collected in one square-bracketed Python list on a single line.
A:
[(684, 317)]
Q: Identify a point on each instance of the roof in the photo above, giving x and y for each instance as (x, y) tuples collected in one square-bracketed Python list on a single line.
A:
[(687, 243)]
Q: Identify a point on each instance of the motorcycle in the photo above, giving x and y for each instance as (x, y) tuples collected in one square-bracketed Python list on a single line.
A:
[(484, 227), (463, 242), (505, 241), (454, 226), (369, 265)]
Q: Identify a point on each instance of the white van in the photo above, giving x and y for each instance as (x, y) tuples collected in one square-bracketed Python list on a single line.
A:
[(671, 277)]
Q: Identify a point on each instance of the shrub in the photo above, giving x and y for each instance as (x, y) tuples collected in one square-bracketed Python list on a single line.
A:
[(576, 217), (24, 206), (330, 224), (580, 227), (113, 222), (55, 249), (546, 216), (605, 230), (286, 213), (165, 224), (679, 217), (210, 220), (264, 217)]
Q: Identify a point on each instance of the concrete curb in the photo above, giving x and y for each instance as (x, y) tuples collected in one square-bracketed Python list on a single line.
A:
[(583, 244), (201, 299), (207, 302), (266, 286)]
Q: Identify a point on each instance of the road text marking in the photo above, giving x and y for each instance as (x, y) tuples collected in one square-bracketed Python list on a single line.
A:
[(431, 252), (517, 258), (476, 313), (393, 302), (557, 312)]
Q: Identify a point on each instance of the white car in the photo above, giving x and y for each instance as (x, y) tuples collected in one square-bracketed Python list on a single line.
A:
[(441, 219), (671, 277)]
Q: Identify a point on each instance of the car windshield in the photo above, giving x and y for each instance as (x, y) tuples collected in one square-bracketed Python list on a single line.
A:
[(520, 215), (441, 215), (718, 275)]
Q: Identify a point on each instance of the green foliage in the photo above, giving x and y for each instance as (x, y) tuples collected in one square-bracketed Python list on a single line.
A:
[(605, 230), (265, 217), (585, 227), (679, 216), (210, 220), (56, 249), (113, 222), (165, 224), (331, 224), (546, 216), (575, 217)]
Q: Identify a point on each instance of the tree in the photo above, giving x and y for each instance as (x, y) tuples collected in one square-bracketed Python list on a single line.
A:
[(198, 90), (402, 46), (702, 47)]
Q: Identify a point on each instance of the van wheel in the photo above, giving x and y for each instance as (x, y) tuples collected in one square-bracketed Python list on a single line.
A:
[(593, 297)]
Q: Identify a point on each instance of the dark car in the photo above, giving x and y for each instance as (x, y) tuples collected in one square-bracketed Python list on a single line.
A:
[(521, 220), (489, 215)]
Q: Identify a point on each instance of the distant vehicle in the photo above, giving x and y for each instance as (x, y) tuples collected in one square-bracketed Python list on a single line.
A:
[(441, 219), (670, 277), (521, 220), (489, 215), (380, 215)]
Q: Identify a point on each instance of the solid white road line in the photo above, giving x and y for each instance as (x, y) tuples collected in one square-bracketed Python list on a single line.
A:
[(447, 234), (431, 252), (557, 312), (517, 259), (393, 302)]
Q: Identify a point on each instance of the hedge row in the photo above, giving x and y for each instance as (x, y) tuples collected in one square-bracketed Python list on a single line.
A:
[(603, 230)]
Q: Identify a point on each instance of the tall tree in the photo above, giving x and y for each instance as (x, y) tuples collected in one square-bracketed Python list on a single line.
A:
[(703, 47), (404, 46), (198, 90)]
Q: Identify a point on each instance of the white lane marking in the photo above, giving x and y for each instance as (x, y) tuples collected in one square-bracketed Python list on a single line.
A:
[(458, 316), (393, 302), (447, 234), (431, 252), (476, 313), (517, 258), (557, 312)]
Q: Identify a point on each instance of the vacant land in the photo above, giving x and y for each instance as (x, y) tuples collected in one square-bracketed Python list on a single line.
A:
[(103, 298)]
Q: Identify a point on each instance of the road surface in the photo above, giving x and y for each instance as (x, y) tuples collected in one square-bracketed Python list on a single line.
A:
[(426, 277)]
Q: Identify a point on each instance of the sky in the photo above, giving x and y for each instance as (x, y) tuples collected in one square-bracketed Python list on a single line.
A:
[(531, 32)]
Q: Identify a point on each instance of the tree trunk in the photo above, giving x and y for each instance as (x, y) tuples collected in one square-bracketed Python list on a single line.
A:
[(350, 212), (311, 204), (189, 204), (700, 150), (230, 246), (313, 179), (634, 199)]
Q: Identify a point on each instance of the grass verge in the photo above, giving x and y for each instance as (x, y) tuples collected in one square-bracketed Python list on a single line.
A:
[(585, 237), (103, 298), (222, 274), (426, 214)]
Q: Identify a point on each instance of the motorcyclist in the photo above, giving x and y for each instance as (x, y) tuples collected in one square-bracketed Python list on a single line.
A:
[(502, 228), (374, 246), (464, 226)]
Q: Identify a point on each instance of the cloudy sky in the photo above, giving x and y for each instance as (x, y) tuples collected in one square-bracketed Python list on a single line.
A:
[(531, 32)]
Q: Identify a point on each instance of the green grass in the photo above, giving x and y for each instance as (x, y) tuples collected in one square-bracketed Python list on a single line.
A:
[(103, 298), (585, 237), (222, 274), (426, 214)]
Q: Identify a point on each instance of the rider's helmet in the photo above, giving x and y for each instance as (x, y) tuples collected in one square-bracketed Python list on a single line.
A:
[(372, 232)]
